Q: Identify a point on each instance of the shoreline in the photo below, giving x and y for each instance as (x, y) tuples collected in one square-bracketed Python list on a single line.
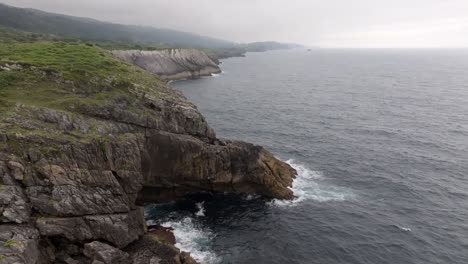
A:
[(79, 173)]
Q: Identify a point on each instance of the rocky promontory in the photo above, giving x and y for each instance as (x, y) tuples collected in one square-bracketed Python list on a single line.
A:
[(85, 139), (171, 64)]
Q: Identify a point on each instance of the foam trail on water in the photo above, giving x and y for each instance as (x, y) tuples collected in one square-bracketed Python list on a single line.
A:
[(190, 238), (307, 186)]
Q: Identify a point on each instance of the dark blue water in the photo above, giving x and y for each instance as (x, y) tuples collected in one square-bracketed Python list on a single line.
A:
[(380, 140)]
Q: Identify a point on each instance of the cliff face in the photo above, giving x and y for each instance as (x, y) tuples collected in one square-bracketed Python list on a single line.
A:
[(171, 64), (80, 150), (218, 54)]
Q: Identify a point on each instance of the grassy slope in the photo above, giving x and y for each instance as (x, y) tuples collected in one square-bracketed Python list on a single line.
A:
[(69, 77), (55, 74), (10, 35), (92, 30)]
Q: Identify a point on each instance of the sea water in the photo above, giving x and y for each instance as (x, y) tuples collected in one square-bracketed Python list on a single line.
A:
[(380, 142)]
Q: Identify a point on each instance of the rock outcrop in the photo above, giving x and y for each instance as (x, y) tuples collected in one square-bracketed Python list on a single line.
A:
[(74, 172), (218, 54), (171, 64)]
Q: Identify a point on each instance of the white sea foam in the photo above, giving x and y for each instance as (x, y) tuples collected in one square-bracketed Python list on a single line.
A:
[(308, 186), (406, 229), (193, 239), (250, 196), (201, 209)]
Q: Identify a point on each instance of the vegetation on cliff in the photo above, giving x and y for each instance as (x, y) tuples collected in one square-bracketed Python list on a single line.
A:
[(86, 29), (59, 74)]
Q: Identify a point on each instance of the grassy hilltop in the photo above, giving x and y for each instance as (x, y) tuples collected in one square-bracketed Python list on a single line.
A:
[(63, 76)]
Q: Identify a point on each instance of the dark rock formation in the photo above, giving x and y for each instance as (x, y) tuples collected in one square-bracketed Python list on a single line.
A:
[(176, 165), (163, 234), (101, 252), (19, 244), (171, 64), (149, 249)]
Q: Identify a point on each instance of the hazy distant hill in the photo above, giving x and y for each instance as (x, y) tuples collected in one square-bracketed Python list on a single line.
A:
[(37, 21), (269, 45)]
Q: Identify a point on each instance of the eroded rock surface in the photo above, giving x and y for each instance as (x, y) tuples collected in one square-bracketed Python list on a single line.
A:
[(149, 250), (171, 64), (101, 252), (19, 244)]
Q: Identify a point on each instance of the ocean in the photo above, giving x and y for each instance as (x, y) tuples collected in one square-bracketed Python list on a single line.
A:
[(380, 142)]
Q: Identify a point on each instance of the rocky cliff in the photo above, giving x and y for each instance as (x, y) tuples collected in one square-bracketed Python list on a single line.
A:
[(86, 138), (171, 64)]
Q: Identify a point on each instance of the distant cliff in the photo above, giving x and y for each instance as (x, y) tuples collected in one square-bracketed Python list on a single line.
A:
[(171, 64)]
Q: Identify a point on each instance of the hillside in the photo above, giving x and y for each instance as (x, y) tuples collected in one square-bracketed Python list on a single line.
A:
[(37, 21)]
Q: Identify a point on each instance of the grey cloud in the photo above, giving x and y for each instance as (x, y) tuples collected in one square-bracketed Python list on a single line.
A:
[(331, 23)]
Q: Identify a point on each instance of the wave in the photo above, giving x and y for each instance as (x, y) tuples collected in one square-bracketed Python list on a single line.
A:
[(308, 186), (406, 229), (193, 239), (201, 209)]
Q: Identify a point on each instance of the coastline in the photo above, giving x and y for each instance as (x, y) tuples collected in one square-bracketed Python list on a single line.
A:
[(80, 157)]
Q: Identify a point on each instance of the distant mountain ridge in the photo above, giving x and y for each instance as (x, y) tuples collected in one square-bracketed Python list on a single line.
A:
[(36, 21), (27, 24)]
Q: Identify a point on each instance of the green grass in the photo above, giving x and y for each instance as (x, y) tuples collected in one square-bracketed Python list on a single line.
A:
[(13, 35), (76, 61), (10, 242), (60, 74), (2, 257), (75, 78), (115, 45)]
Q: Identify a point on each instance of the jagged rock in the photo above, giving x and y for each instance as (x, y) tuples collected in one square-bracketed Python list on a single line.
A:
[(149, 250), (162, 234), (17, 170), (176, 165), (98, 251), (65, 258), (13, 204), (118, 229), (171, 64), (19, 244), (185, 258)]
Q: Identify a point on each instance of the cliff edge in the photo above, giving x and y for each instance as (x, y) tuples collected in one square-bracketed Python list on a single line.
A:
[(86, 138), (171, 64)]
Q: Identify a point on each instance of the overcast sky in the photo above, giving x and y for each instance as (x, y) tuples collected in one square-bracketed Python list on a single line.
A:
[(326, 23)]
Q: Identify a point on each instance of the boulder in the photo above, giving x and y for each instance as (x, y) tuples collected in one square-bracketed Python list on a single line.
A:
[(117, 229), (19, 244), (101, 252), (149, 249), (14, 206)]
